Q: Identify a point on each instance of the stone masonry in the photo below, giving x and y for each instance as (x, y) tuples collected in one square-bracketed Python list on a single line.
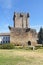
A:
[(21, 33)]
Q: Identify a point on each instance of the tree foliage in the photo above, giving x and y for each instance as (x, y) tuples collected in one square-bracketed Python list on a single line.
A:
[(40, 36)]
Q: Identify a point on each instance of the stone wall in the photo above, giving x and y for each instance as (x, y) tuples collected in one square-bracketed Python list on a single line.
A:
[(22, 36)]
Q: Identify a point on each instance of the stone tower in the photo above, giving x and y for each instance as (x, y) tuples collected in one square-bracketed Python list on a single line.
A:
[(21, 20), (21, 33)]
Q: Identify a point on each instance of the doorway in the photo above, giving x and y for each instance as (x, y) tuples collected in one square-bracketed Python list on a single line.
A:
[(29, 42)]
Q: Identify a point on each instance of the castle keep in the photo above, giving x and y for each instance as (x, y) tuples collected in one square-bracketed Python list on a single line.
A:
[(21, 33)]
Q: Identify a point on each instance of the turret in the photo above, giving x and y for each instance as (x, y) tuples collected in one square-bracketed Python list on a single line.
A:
[(20, 20)]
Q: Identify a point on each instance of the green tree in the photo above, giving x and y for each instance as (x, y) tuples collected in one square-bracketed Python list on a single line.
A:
[(40, 36)]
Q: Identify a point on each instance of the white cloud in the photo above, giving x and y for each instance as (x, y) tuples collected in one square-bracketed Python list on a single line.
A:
[(6, 4)]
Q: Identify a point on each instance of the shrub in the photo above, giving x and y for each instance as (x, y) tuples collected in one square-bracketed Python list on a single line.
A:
[(6, 46), (28, 48), (25, 48), (38, 47), (18, 47)]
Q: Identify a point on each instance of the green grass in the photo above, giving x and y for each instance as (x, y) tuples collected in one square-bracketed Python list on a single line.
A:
[(21, 57)]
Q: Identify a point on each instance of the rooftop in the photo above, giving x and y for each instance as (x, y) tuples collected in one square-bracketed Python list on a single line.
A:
[(4, 34)]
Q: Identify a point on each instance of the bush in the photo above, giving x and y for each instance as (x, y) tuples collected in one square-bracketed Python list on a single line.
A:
[(38, 47), (18, 47), (6, 46), (25, 48), (28, 48)]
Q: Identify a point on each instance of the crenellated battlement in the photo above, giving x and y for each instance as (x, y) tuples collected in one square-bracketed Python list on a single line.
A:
[(20, 20), (20, 15)]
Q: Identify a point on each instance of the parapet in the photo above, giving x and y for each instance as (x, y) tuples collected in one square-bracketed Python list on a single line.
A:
[(20, 15)]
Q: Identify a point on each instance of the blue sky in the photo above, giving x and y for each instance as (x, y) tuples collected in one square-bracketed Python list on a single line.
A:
[(7, 8)]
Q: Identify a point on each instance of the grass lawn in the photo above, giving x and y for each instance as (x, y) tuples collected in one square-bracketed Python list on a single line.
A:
[(21, 57)]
